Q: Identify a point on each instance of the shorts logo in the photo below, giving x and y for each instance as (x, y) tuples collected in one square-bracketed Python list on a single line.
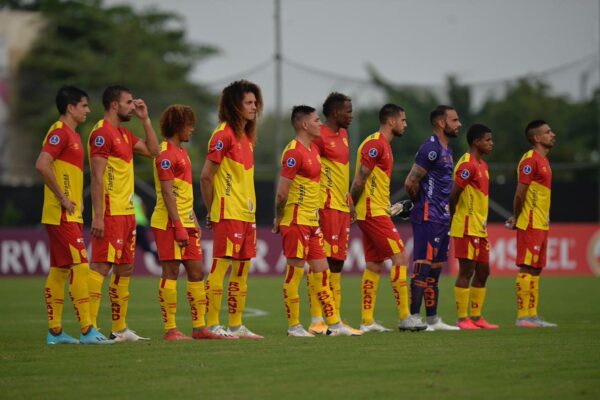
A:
[(527, 169), (465, 174), (99, 141), (54, 140), (373, 153), (219, 145), (165, 164), (432, 155), (291, 162)]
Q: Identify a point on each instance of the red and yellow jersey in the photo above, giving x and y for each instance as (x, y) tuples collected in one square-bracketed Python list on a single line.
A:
[(303, 167), (64, 145), (375, 153), (335, 168), (470, 215), (234, 196), (173, 164), (534, 171), (116, 146)]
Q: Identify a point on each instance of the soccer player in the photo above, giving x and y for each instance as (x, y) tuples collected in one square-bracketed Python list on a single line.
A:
[(429, 184), (111, 147), (469, 210), (60, 164), (531, 218), (175, 225), (297, 218), (370, 193), (227, 183), (334, 214)]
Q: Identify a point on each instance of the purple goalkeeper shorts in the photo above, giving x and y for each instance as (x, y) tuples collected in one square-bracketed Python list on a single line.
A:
[(431, 242)]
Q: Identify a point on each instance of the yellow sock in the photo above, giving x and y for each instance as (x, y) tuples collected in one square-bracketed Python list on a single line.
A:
[(400, 289), (197, 298), (167, 295), (80, 295), (523, 285), (320, 280), (291, 297), (370, 281), (477, 300), (118, 291), (214, 289), (313, 300), (461, 296), (238, 291), (532, 309), (335, 283), (95, 281), (55, 296)]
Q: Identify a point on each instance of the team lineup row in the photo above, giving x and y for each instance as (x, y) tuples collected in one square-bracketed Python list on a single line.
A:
[(314, 207)]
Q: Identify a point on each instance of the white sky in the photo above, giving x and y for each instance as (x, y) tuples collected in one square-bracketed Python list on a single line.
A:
[(409, 41)]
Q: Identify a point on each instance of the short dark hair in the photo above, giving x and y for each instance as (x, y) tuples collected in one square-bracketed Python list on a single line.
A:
[(531, 127), (112, 93), (388, 111), (333, 102), (68, 95), (299, 112), (477, 131), (438, 112), (175, 119)]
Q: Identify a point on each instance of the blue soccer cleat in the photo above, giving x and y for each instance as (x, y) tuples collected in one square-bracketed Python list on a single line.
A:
[(94, 337), (61, 338)]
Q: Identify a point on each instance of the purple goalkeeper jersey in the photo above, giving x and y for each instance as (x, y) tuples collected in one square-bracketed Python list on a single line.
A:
[(435, 187)]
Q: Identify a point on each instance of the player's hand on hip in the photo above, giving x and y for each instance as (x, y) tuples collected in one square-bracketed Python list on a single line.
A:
[(97, 228)]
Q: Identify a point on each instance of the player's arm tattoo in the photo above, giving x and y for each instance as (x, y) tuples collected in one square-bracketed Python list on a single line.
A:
[(359, 182), (413, 181), (283, 190)]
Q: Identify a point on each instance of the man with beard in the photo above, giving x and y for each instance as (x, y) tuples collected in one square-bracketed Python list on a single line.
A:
[(531, 218), (370, 193), (429, 184), (111, 147)]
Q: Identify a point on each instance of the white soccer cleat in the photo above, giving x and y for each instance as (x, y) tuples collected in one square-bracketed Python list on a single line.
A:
[(374, 327), (298, 331), (339, 329), (439, 325), (244, 333), (220, 331), (541, 323), (412, 323), (126, 335)]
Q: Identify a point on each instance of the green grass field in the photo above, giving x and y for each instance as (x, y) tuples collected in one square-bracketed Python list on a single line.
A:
[(509, 363)]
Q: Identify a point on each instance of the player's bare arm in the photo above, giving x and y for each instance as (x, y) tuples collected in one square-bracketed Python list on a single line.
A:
[(44, 166), (454, 196), (358, 184), (181, 236), (207, 180), (150, 147), (518, 203), (413, 180), (97, 168), (283, 191)]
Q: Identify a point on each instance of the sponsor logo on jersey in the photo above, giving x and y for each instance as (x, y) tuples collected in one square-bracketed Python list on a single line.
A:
[(373, 152), (432, 155), (527, 169), (219, 145), (165, 164), (99, 141), (54, 140), (291, 162), (465, 174)]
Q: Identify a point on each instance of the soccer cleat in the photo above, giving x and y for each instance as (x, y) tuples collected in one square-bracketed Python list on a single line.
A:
[(467, 325), (126, 335), (525, 323), (219, 331), (355, 332), (205, 333), (298, 331), (439, 325), (244, 333), (374, 327), (94, 337), (61, 338), (318, 328), (541, 323), (483, 324), (339, 330), (412, 323), (174, 335)]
